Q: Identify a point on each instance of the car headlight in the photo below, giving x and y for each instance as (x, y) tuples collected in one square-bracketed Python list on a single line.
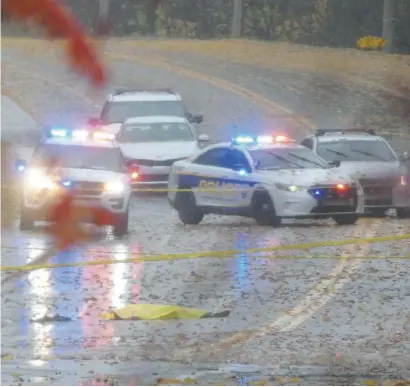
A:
[(38, 180), (288, 187), (403, 180), (114, 187)]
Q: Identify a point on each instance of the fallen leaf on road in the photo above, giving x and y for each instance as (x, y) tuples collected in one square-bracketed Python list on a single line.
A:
[(7, 357), (293, 380), (259, 383), (164, 381), (190, 380)]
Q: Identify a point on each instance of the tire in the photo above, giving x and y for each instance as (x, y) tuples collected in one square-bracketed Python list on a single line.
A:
[(403, 212), (26, 219), (264, 212), (121, 225), (188, 212), (346, 220)]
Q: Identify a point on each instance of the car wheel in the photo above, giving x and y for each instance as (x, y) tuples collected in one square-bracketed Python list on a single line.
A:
[(403, 212), (264, 211), (344, 220), (26, 219), (121, 225), (188, 211)]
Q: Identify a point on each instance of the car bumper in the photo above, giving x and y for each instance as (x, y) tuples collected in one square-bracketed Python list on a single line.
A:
[(151, 177), (304, 205), (401, 196), (41, 204), (387, 197)]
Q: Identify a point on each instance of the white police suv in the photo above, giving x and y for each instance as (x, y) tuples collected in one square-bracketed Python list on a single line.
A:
[(153, 144), (94, 168), (267, 179), (123, 104), (362, 153)]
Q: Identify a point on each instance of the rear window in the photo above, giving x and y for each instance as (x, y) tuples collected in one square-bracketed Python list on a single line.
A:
[(116, 112)]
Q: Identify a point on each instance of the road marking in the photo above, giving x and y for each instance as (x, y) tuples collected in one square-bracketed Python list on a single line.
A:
[(57, 84), (271, 106), (316, 299)]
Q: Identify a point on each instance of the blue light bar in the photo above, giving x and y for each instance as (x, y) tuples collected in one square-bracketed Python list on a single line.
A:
[(244, 140), (59, 132)]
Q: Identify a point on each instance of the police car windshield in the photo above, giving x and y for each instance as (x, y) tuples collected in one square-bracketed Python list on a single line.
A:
[(158, 132), (76, 156), (115, 112), (291, 158), (355, 150)]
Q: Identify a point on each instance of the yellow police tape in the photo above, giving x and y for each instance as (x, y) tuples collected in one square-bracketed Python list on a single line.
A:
[(217, 254)]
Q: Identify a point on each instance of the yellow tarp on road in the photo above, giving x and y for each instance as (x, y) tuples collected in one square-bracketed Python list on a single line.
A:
[(159, 312)]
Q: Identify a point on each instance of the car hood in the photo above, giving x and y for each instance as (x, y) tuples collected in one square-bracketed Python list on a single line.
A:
[(159, 150), (308, 177), (372, 169), (91, 175), (113, 128)]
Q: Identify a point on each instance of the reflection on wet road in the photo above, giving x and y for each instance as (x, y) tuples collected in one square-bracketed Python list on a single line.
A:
[(53, 313)]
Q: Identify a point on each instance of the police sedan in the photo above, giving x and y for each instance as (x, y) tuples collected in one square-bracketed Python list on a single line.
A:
[(94, 168), (267, 179)]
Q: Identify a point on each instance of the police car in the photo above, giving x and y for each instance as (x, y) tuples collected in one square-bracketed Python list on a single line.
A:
[(267, 179), (153, 144), (123, 104), (361, 152), (94, 168)]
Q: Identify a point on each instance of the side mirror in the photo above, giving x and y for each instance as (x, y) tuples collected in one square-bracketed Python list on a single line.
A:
[(203, 138), (20, 165), (404, 156), (335, 163), (195, 119)]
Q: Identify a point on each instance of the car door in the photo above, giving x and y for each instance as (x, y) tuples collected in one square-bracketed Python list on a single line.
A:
[(223, 178), (208, 176)]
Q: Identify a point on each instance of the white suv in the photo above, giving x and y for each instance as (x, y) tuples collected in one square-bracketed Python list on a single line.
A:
[(124, 104), (94, 169)]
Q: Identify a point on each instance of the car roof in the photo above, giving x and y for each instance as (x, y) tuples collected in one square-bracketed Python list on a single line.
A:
[(142, 96), (155, 119), (348, 137), (84, 143)]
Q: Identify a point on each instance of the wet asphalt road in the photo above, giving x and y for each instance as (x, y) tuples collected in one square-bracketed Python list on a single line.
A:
[(313, 314)]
